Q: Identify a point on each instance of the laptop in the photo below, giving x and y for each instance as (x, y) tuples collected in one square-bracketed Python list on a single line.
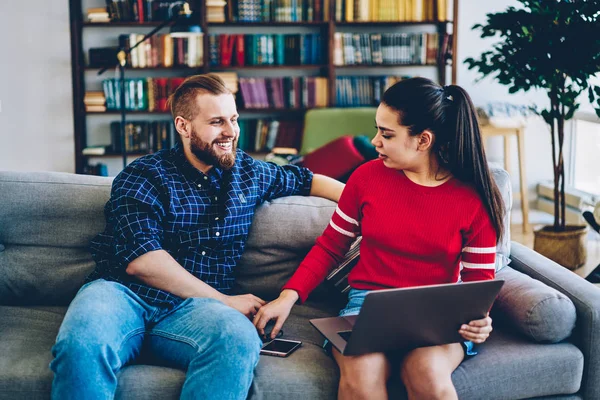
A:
[(407, 318)]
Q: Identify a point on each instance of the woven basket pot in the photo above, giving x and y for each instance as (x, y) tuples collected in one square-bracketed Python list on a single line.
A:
[(566, 248)]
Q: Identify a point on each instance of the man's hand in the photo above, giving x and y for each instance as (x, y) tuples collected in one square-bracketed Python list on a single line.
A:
[(279, 309), (247, 304), (477, 331)]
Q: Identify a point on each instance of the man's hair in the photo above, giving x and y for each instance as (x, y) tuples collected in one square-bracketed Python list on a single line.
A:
[(183, 101)]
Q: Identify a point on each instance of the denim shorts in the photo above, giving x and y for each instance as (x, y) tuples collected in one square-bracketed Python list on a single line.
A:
[(356, 298)]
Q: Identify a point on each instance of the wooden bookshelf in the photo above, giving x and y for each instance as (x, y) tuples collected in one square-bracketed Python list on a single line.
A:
[(82, 72)]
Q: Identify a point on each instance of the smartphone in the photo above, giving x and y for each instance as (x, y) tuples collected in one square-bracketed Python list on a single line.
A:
[(280, 347)]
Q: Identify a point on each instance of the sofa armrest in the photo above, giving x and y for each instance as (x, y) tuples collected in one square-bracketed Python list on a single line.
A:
[(585, 297)]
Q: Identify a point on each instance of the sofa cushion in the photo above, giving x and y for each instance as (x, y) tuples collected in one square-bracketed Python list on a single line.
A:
[(510, 367), (282, 233), (46, 223), (502, 180), (530, 307)]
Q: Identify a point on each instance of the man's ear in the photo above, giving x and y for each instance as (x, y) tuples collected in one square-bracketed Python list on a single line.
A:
[(182, 127), (425, 140)]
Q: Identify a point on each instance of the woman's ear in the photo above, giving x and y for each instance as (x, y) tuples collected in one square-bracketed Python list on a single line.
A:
[(425, 140)]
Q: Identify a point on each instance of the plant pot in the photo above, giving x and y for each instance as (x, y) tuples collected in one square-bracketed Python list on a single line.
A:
[(567, 248)]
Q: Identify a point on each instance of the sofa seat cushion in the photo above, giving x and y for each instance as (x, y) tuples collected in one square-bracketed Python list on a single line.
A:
[(511, 367), (26, 337), (533, 309)]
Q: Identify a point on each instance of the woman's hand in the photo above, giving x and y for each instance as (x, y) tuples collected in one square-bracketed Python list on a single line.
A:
[(477, 331), (279, 309)]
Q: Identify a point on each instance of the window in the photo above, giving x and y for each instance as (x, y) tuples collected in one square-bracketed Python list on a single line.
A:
[(586, 146)]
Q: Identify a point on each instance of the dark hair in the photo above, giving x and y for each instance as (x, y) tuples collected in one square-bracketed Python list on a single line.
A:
[(183, 101), (450, 115)]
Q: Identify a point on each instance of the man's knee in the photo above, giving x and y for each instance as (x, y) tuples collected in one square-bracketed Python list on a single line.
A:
[(232, 332)]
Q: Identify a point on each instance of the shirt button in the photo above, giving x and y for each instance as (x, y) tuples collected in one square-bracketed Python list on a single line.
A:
[(203, 253), (216, 198), (216, 218), (199, 185), (205, 177), (218, 234)]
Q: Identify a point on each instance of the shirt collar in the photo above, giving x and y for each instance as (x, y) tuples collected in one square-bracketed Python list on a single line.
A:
[(188, 170)]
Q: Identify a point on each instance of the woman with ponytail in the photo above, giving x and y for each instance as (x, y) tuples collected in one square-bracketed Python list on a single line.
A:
[(425, 208)]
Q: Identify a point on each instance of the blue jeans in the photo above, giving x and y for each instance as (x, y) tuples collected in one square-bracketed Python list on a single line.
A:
[(106, 325)]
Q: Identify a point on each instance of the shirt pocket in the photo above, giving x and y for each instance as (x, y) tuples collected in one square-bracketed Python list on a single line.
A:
[(190, 241)]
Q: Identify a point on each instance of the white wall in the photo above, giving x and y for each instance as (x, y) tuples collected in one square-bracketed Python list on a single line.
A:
[(538, 155), (36, 128), (36, 117)]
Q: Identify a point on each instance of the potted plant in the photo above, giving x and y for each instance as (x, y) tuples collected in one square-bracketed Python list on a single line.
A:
[(552, 45)]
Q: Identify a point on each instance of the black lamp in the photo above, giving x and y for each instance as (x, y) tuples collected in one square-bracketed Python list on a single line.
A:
[(184, 11)]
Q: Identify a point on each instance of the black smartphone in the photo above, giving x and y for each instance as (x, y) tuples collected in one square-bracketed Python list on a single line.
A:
[(280, 347)]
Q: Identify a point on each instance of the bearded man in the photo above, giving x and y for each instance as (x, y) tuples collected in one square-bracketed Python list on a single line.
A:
[(176, 225)]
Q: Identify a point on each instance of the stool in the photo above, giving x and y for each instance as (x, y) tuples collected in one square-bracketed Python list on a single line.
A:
[(506, 132)]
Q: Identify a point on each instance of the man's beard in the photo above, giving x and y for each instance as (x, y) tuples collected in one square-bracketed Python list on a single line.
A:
[(206, 153)]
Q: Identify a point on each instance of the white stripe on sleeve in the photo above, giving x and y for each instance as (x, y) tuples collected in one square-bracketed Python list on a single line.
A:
[(342, 231), (478, 266), (345, 217), (479, 250)]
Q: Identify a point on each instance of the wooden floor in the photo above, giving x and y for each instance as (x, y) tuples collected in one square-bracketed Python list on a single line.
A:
[(593, 247)]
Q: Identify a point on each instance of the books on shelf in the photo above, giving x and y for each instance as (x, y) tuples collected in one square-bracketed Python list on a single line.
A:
[(278, 11), (215, 10), (284, 93), (361, 91), (140, 10), (390, 10), (94, 101), (230, 79), (143, 136), (257, 135), (163, 50), (260, 49), (98, 14), (388, 48), (94, 151)]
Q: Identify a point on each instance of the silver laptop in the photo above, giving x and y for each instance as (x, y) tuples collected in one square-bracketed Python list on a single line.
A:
[(404, 319)]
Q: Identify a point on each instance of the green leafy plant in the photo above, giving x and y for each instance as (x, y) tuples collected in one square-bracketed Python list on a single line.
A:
[(553, 45)]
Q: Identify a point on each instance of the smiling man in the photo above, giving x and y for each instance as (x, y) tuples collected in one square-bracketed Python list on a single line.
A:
[(176, 225)]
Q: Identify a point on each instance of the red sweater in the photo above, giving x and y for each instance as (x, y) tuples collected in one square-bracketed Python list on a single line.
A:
[(413, 235)]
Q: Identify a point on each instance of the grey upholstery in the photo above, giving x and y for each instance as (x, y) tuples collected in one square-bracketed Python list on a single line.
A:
[(48, 219)]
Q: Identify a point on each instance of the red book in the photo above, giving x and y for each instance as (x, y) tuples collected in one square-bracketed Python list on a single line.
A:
[(161, 94), (226, 44), (240, 53), (140, 7)]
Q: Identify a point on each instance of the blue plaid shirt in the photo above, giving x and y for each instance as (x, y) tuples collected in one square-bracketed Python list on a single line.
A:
[(161, 201)]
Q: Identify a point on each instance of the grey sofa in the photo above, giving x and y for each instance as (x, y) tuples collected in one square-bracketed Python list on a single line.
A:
[(48, 219)]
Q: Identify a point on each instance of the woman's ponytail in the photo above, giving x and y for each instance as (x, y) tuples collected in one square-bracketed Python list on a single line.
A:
[(466, 155)]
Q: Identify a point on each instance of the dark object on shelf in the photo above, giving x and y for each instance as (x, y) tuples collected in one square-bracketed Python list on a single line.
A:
[(101, 57), (594, 276), (184, 12)]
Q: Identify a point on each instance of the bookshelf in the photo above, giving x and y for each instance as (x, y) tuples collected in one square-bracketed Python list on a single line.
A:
[(91, 126)]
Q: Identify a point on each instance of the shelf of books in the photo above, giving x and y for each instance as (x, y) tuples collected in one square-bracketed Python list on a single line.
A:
[(278, 60)]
